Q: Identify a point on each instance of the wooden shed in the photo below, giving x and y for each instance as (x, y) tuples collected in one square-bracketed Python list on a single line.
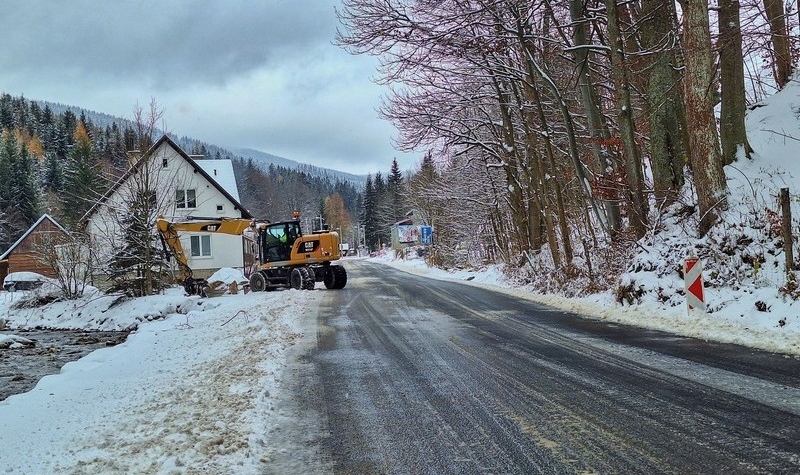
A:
[(21, 256)]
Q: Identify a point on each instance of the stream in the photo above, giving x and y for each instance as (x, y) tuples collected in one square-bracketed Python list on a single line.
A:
[(22, 368)]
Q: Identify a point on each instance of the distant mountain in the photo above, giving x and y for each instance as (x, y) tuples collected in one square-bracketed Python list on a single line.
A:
[(99, 119), (195, 146), (263, 160)]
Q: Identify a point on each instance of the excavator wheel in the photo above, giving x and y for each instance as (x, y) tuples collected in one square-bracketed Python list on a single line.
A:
[(341, 276), (330, 278), (258, 282), (335, 277), (301, 279)]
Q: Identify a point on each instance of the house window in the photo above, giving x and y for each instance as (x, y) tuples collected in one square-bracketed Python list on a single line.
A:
[(201, 245), (220, 208), (185, 199), (164, 163)]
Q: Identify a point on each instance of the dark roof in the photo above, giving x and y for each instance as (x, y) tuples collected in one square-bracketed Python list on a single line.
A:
[(144, 159), (30, 231)]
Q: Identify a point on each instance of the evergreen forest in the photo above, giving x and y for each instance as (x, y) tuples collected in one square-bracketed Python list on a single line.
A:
[(61, 162)]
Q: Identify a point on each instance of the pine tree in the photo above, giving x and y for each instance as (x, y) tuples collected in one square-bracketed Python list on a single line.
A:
[(84, 182), (16, 209), (25, 188), (382, 220), (139, 258), (7, 155), (395, 190), (53, 179), (6, 112), (368, 213), (8, 231)]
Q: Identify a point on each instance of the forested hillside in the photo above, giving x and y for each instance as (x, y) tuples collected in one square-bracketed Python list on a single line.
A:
[(562, 134), (58, 161)]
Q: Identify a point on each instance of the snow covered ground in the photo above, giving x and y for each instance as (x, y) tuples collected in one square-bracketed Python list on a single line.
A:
[(193, 390), (197, 387), (736, 322)]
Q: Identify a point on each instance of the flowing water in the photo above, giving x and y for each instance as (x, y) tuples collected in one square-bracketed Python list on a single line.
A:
[(21, 368)]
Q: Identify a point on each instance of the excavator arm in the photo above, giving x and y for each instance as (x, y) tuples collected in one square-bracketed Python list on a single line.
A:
[(168, 230)]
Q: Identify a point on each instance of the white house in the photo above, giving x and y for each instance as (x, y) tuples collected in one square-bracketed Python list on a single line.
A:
[(182, 187)]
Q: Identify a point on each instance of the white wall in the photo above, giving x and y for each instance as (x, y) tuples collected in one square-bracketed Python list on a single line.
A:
[(226, 250)]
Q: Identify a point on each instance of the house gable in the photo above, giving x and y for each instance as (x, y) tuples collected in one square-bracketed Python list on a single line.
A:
[(45, 224), (22, 255), (166, 153)]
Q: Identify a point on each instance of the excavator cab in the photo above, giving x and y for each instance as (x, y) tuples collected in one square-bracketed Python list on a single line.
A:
[(278, 240)]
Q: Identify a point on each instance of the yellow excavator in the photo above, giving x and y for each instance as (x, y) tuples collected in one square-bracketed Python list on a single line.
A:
[(286, 256)]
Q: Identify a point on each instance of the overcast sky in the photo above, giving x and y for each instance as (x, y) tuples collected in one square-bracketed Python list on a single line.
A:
[(260, 74)]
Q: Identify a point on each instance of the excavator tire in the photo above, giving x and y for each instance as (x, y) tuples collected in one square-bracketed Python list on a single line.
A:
[(310, 282), (335, 277), (330, 278), (341, 276), (301, 279), (258, 282)]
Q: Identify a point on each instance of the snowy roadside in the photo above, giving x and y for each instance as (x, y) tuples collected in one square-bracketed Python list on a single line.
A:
[(735, 322), (193, 389)]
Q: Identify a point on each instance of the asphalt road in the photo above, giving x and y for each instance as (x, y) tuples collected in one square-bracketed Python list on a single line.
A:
[(410, 375)]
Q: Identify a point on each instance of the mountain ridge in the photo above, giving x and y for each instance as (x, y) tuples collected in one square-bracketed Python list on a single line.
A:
[(192, 145)]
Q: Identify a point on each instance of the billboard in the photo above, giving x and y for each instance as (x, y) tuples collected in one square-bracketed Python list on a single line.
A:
[(407, 233)]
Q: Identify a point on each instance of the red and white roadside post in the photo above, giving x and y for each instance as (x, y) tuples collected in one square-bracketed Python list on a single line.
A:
[(693, 278)]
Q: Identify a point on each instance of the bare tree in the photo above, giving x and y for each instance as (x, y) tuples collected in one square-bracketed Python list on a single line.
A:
[(732, 110), (596, 121), (68, 259), (706, 160), (633, 160), (781, 51)]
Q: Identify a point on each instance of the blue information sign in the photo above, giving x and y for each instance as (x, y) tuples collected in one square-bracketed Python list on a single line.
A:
[(426, 235)]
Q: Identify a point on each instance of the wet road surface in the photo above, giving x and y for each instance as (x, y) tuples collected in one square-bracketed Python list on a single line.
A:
[(410, 375)]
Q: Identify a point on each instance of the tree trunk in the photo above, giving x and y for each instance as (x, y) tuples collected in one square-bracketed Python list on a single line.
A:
[(732, 129), (537, 192), (552, 174), (517, 199), (706, 159), (637, 202), (595, 121), (781, 55), (664, 100)]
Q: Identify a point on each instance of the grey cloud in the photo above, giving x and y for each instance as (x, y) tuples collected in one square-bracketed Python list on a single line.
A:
[(164, 43), (261, 74)]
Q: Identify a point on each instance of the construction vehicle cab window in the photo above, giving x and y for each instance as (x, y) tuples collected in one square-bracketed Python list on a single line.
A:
[(280, 238), (287, 258)]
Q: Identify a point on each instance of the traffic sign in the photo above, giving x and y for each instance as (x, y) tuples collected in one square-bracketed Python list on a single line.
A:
[(426, 235), (693, 278)]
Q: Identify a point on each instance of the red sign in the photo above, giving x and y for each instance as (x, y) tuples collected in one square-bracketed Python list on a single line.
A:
[(693, 277)]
